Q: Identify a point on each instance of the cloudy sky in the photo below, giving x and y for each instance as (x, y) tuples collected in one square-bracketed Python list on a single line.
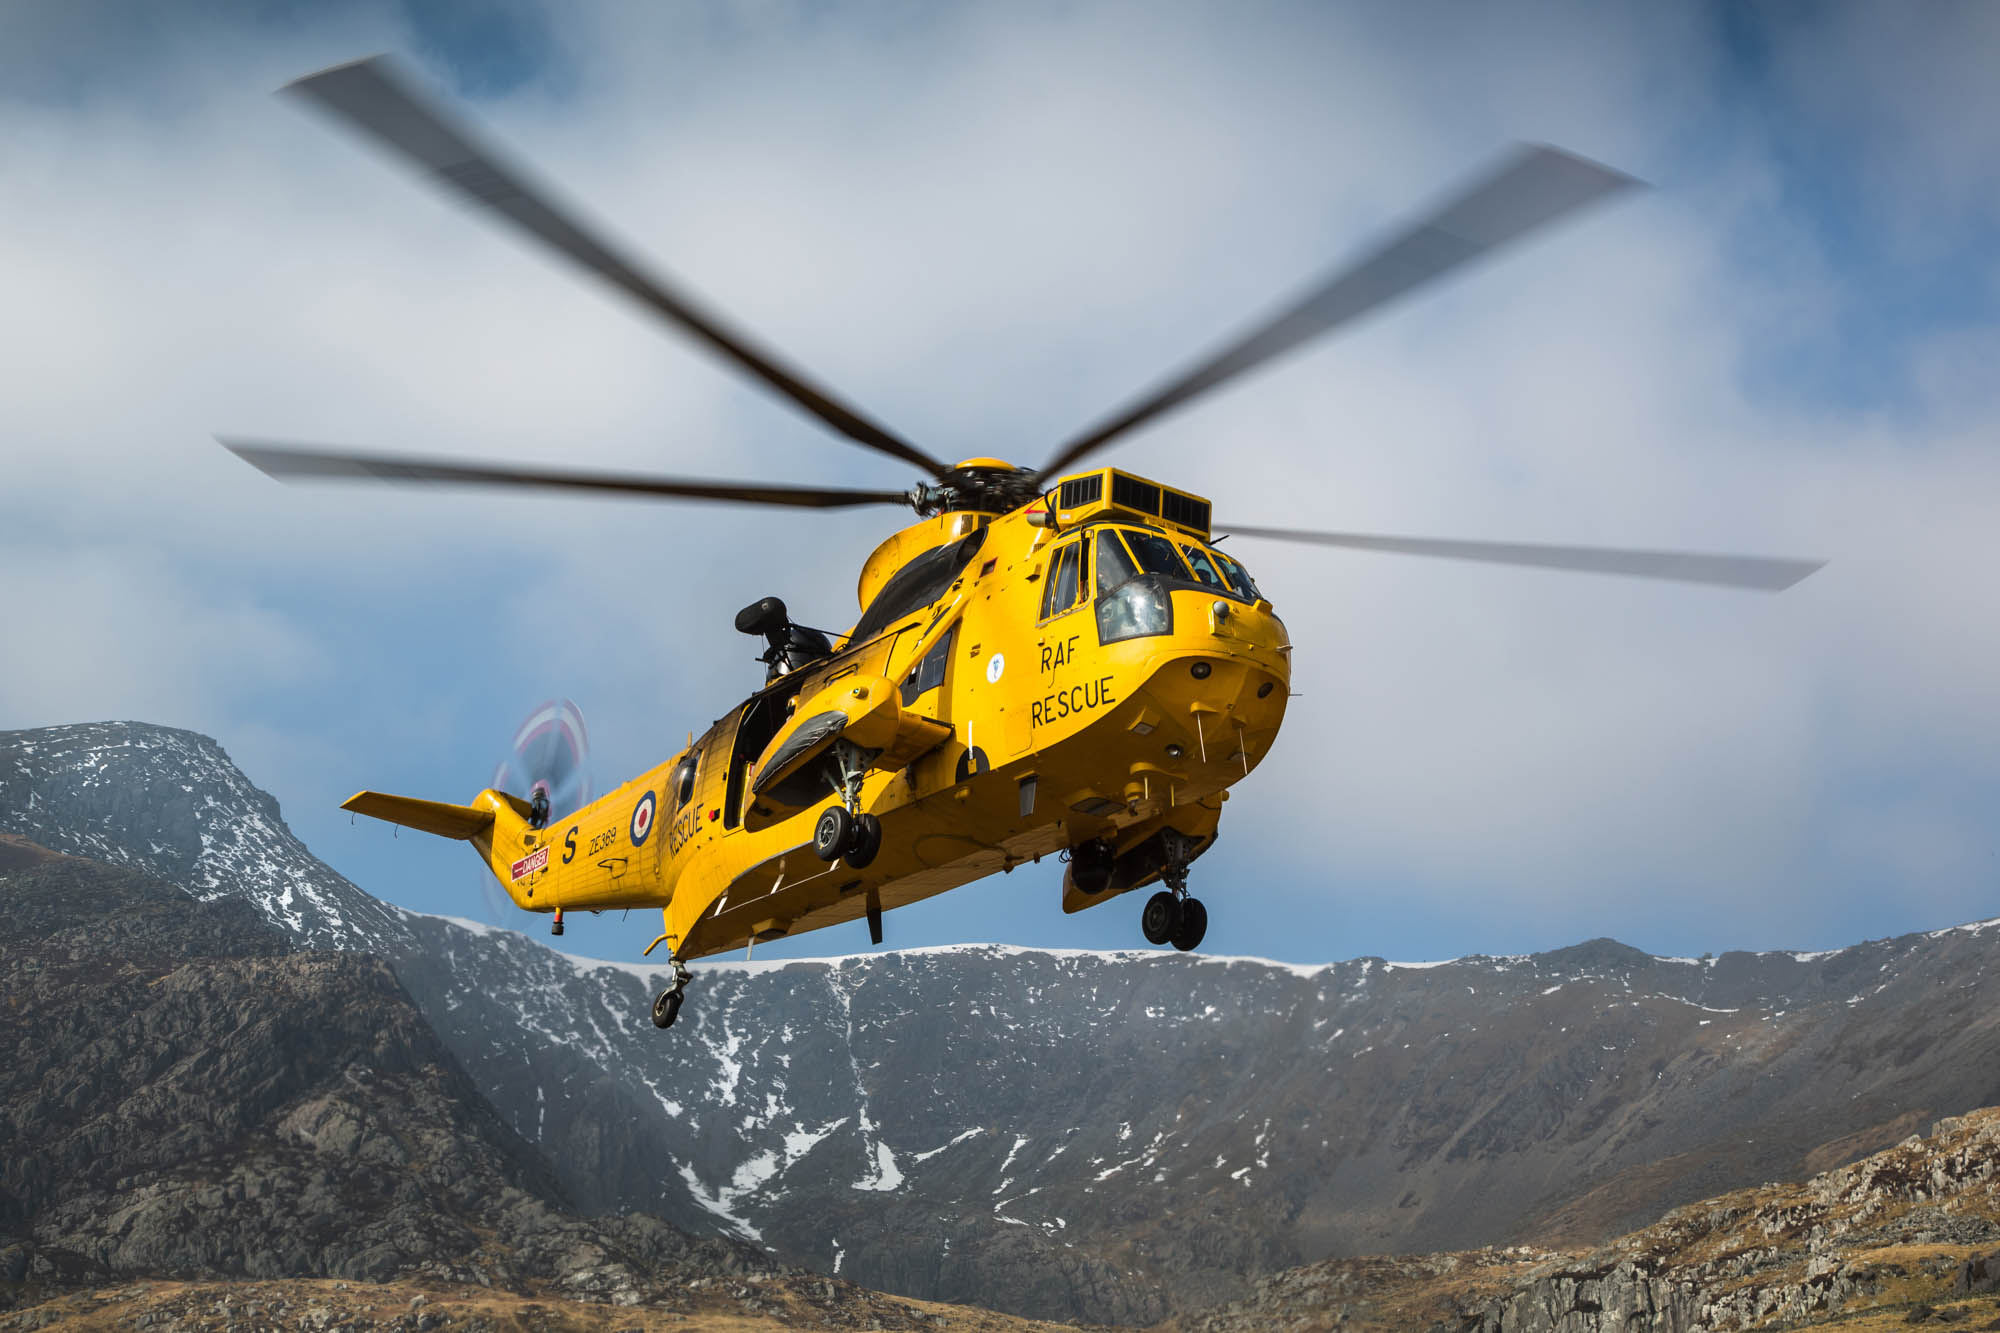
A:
[(988, 224)]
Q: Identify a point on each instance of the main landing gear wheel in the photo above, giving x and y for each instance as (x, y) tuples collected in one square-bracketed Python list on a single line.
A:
[(1191, 927), (863, 841), (1171, 917), (833, 833)]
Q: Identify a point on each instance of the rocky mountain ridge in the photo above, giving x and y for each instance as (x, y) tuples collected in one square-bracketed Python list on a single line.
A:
[(1910, 1235), (1110, 1136), (193, 1097)]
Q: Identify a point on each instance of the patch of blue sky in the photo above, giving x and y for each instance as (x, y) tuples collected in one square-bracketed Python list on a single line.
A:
[(486, 48), (1854, 353), (121, 51)]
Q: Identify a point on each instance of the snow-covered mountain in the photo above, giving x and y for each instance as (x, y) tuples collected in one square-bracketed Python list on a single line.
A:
[(171, 803), (1102, 1135)]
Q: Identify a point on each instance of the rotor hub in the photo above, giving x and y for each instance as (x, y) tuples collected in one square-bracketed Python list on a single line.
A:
[(981, 485)]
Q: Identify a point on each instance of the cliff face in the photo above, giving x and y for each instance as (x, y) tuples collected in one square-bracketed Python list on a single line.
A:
[(1110, 1136), (190, 1095), (1914, 1226), (1908, 1235)]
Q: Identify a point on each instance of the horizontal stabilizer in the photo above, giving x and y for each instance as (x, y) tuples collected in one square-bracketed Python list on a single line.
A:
[(447, 821)]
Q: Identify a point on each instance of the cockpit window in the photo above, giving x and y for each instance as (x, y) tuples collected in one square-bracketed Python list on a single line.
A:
[(1203, 570), (1239, 577), (1156, 555), (1114, 565), (1068, 578), (1182, 562)]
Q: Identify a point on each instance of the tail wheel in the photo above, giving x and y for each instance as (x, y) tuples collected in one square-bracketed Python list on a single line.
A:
[(1161, 917), (666, 1008), (1192, 926), (833, 832), (863, 841)]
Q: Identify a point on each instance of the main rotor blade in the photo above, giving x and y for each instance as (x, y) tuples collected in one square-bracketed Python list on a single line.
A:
[(1765, 573), (1533, 187), (371, 97), (288, 463)]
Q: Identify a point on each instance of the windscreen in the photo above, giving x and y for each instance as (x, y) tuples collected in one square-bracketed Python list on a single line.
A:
[(1237, 577), (1204, 569), (1156, 555), (1114, 562)]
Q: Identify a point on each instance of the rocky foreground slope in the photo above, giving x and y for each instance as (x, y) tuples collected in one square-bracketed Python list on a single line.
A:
[(189, 1096), (1907, 1236), (1107, 1136)]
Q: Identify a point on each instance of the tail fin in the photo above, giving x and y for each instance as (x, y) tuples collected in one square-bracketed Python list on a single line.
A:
[(493, 817), (464, 822)]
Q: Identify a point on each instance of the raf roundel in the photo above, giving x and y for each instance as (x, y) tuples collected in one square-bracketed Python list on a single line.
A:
[(642, 820)]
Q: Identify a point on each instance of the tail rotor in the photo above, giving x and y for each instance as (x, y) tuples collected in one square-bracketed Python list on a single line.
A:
[(548, 766)]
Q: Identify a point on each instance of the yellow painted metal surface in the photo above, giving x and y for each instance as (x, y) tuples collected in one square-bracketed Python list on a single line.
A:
[(1034, 738), (904, 546), (446, 821)]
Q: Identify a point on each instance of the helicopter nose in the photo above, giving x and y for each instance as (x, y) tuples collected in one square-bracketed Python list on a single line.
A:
[(1234, 685)]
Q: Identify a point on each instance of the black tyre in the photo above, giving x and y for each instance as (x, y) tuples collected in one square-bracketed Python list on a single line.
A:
[(1090, 866), (1161, 917), (830, 835), (666, 1008), (1192, 925), (863, 841)]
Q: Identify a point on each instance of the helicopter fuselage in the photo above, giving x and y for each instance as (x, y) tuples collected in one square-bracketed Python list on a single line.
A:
[(1058, 690)]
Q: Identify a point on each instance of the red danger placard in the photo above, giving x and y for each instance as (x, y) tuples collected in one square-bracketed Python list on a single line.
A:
[(530, 863)]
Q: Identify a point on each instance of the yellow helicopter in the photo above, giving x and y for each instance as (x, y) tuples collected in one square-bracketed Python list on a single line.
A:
[(1049, 661)]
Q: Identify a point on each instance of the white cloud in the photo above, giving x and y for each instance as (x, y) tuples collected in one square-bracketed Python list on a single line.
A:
[(106, 631), (988, 226)]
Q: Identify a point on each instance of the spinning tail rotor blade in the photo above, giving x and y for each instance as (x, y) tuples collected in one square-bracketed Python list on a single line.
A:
[(550, 755), (289, 463), (550, 750), (1762, 573), (370, 96), (1534, 187)]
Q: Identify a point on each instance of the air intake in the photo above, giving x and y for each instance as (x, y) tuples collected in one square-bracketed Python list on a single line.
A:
[(1081, 491), (1131, 493)]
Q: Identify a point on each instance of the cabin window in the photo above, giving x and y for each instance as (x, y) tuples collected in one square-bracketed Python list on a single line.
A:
[(928, 673), (681, 782)]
